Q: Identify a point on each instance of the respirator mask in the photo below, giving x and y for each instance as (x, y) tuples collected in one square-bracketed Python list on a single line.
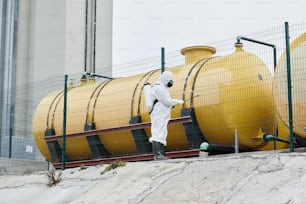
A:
[(170, 83)]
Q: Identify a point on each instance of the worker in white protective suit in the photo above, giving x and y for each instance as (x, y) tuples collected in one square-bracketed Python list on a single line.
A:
[(160, 114)]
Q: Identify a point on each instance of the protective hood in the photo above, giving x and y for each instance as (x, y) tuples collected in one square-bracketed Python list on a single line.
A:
[(165, 77)]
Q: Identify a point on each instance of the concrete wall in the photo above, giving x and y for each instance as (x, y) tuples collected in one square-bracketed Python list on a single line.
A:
[(50, 43), (98, 33), (22, 148), (48, 31), (19, 166)]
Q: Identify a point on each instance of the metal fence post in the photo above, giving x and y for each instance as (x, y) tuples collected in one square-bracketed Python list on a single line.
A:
[(64, 124), (10, 142), (162, 60), (236, 141), (11, 130), (289, 86)]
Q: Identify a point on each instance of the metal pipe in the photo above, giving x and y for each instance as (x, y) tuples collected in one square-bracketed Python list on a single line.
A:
[(100, 76), (274, 58), (262, 43), (252, 40), (94, 37), (3, 5), (219, 148), (10, 69), (268, 138), (86, 30), (289, 86)]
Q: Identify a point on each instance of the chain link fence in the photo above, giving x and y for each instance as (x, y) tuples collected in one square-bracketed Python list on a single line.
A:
[(233, 87)]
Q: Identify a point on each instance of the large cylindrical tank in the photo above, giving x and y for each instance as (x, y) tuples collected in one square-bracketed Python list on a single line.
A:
[(226, 93), (298, 82)]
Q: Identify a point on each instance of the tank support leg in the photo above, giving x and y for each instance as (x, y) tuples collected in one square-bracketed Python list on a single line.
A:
[(96, 146), (192, 130), (142, 143)]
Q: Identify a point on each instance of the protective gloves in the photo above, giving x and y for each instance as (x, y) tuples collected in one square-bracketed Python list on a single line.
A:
[(179, 101)]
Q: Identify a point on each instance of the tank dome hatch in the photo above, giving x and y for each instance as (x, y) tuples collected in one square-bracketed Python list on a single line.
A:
[(195, 53)]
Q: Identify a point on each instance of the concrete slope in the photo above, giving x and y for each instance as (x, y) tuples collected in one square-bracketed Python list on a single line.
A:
[(265, 177)]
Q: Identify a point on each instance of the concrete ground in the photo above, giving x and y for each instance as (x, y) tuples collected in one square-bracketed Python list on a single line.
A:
[(250, 178)]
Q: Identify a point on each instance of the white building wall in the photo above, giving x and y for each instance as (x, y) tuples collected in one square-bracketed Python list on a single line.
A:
[(51, 43), (104, 37), (49, 38), (99, 38), (75, 36)]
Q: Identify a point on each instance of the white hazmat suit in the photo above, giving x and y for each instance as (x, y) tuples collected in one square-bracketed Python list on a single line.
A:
[(160, 114)]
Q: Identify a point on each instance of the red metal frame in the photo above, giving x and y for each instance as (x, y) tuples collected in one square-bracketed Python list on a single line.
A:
[(185, 119), (132, 158)]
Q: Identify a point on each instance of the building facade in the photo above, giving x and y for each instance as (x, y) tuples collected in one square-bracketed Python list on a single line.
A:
[(40, 42)]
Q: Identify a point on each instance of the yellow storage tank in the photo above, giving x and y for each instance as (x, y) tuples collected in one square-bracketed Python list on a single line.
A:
[(298, 81), (235, 93), (221, 94)]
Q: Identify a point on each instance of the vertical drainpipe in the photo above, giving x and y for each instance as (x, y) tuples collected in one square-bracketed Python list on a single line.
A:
[(11, 70), (94, 36), (3, 5), (86, 29)]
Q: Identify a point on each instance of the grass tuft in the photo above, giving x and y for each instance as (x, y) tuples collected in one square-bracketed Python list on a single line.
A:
[(53, 177), (113, 166)]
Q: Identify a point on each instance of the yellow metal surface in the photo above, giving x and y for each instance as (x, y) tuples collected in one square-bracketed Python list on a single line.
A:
[(43, 120), (77, 100), (113, 109), (298, 81), (235, 93), (226, 93)]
